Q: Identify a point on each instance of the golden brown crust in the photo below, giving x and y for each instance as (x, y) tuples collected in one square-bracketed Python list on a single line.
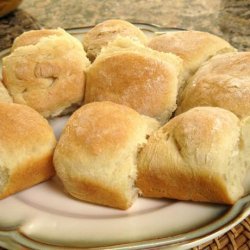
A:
[(221, 82), (97, 125), (104, 32), (184, 187), (149, 93), (24, 123), (29, 174), (181, 160), (98, 193), (96, 155), (26, 144), (48, 76), (194, 47), (137, 77)]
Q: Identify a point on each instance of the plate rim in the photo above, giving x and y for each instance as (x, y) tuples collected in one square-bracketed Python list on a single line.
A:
[(237, 213)]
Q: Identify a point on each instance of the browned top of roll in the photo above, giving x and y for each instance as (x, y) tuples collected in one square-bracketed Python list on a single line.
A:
[(224, 81)]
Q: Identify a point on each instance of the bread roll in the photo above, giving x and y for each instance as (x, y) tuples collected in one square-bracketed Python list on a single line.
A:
[(96, 154), (194, 47), (26, 148), (128, 73), (104, 32), (4, 95), (46, 72), (198, 155), (223, 81)]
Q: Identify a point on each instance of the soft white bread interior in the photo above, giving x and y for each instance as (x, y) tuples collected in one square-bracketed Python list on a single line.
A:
[(223, 81), (96, 155), (128, 73), (200, 155), (4, 95), (194, 47), (46, 72), (27, 143), (107, 31)]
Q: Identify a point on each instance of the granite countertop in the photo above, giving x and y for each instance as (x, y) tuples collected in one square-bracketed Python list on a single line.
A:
[(227, 18)]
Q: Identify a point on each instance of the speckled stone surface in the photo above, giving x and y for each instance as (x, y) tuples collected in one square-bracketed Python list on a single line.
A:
[(227, 18), (13, 25)]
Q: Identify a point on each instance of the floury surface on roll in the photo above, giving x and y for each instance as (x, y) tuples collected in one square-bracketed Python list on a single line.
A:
[(27, 143), (194, 47), (4, 95), (130, 74), (46, 71), (32, 37), (200, 155), (96, 155), (223, 81), (107, 31)]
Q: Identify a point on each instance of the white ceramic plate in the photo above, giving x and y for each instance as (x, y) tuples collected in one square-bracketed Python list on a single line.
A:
[(44, 217)]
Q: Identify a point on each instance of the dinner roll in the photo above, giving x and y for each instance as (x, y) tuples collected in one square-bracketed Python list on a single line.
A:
[(46, 72), (96, 154), (198, 155), (194, 47), (4, 95), (26, 148), (128, 73), (104, 32), (223, 81)]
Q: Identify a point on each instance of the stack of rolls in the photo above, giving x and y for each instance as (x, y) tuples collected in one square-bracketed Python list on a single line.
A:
[(166, 117)]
